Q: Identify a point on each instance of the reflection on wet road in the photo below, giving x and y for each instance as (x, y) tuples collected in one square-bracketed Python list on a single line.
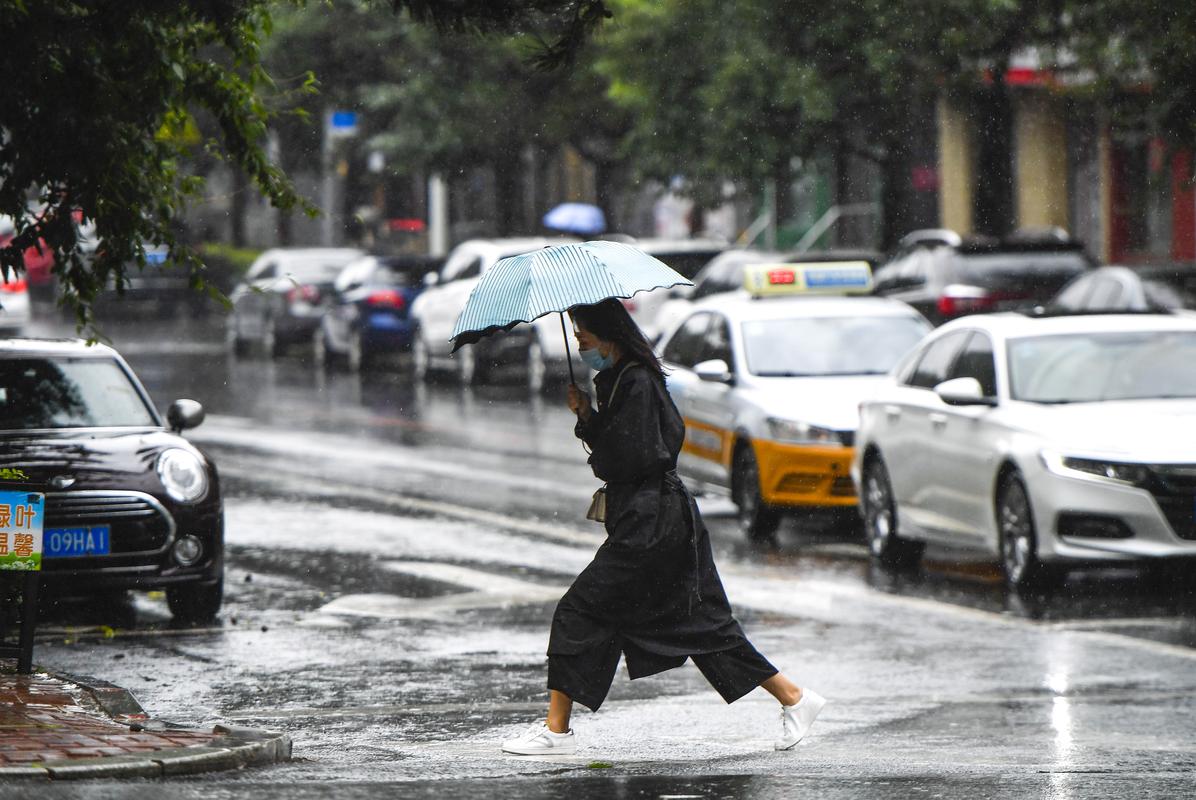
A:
[(395, 553), (496, 448)]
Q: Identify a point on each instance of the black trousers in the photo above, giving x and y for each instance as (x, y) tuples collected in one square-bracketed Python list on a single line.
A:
[(586, 677)]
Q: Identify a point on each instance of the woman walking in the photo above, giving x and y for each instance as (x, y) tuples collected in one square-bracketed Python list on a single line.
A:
[(652, 592)]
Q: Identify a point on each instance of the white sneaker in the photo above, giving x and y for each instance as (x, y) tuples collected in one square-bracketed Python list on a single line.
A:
[(539, 741), (797, 719)]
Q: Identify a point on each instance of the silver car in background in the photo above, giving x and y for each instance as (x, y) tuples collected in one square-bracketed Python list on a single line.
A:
[(1043, 441)]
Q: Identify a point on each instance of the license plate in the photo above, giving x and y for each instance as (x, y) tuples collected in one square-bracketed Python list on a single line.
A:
[(92, 540)]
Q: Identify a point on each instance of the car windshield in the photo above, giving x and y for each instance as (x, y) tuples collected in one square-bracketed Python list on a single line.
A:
[(1094, 367), (825, 346), (314, 270), (68, 393)]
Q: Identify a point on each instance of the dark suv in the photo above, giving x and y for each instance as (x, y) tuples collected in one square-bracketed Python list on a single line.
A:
[(129, 503), (945, 276)]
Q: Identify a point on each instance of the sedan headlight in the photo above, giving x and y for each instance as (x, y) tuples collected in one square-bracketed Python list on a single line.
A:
[(1115, 471), (794, 432), (182, 474)]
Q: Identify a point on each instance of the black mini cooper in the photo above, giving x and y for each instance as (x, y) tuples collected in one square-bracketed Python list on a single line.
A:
[(129, 503)]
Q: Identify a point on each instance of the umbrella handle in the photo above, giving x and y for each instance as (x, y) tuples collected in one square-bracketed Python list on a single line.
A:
[(568, 358)]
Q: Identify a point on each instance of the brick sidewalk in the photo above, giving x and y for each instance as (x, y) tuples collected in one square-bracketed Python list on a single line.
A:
[(44, 719)]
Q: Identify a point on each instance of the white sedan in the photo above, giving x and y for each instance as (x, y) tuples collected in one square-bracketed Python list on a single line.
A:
[(1044, 441)]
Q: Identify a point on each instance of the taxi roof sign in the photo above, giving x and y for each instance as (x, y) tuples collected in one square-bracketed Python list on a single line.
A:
[(824, 277)]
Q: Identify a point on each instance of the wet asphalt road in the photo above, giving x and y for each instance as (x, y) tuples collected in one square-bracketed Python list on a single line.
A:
[(395, 552)]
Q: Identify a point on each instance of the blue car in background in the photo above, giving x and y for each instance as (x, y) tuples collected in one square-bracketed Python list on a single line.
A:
[(367, 312)]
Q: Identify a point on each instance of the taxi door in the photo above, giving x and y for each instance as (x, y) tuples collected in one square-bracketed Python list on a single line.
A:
[(701, 453), (711, 405)]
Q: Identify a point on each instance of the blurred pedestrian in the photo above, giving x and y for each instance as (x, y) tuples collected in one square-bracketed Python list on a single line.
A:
[(652, 593)]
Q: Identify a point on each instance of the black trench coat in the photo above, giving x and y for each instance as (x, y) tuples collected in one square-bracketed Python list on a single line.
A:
[(652, 584)]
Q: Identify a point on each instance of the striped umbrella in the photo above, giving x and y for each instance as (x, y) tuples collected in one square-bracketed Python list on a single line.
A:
[(524, 287)]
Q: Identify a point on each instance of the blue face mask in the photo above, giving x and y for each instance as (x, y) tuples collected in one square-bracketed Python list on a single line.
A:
[(596, 360)]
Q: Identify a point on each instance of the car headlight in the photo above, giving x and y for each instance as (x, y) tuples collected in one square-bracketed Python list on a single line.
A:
[(794, 432), (1116, 471), (182, 474)]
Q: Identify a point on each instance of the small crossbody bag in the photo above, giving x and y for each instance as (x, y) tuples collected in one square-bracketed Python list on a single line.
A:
[(597, 511)]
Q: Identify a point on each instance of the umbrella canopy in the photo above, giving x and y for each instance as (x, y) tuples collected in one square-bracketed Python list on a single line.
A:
[(522, 288), (580, 218)]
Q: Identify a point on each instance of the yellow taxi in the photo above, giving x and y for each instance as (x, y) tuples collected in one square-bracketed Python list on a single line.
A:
[(769, 380)]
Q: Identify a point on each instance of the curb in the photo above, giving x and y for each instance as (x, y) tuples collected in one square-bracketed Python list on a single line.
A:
[(236, 748)]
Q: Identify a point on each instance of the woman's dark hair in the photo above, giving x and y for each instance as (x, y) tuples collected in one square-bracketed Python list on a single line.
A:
[(609, 321)]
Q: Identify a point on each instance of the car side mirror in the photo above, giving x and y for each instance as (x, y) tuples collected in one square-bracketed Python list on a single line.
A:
[(715, 370), (431, 279), (184, 414), (963, 392)]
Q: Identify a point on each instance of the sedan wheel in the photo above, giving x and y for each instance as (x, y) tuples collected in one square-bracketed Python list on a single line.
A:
[(319, 350), (467, 365), (233, 339), (356, 355), (880, 519), (419, 357), (192, 603), (537, 369), (1019, 540), (757, 519), (270, 345)]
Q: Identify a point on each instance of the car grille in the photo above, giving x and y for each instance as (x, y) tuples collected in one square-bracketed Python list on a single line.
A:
[(137, 521), (1174, 489)]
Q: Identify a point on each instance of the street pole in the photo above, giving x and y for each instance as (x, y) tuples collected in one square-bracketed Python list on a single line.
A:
[(327, 184), (437, 215), (770, 205)]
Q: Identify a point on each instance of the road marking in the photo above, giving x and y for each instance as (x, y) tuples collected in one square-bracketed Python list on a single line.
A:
[(419, 505), (487, 590), (474, 579), (818, 592)]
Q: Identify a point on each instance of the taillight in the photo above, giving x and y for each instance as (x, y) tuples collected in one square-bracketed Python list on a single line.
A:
[(308, 294), (14, 287), (958, 300), (386, 298)]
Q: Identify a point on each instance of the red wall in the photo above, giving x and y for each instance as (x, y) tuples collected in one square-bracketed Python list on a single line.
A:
[(1183, 207)]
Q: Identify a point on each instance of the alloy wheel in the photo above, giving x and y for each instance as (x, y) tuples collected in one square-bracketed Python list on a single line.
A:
[(319, 349), (756, 519), (1019, 557), (878, 508), (270, 340), (537, 370), (356, 355), (419, 357), (467, 365)]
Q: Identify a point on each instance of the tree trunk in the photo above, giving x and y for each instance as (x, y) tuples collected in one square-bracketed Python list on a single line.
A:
[(895, 201), (508, 188), (782, 174), (239, 203), (604, 191), (286, 234), (993, 205)]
